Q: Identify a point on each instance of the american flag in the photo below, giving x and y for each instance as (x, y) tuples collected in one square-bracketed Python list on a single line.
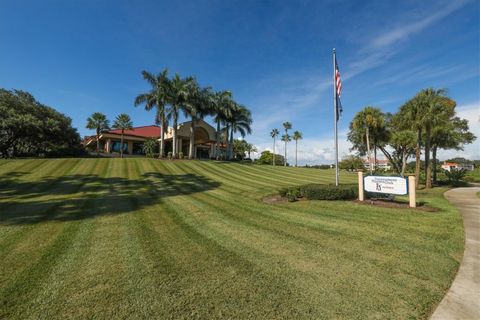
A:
[(338, 87)]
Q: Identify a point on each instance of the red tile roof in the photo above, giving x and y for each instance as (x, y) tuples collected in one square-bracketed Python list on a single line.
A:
[(145, 131)]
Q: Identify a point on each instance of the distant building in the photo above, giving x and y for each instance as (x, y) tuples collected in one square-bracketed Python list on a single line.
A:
[(458, 166), (204, 144), (381, 164)]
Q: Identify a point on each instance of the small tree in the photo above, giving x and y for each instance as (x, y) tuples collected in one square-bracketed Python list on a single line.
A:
[(266, 157), (351, 163), (123, 122), (149, 147)]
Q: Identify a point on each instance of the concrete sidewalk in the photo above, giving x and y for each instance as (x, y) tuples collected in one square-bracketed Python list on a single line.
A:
[(462, 300)]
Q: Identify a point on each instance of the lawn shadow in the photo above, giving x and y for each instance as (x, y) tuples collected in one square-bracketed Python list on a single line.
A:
[(83, 196)]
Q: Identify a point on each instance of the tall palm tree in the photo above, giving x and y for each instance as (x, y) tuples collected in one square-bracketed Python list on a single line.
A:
[(98, 122), (297, 135), (199, 104), (434, 111), (286, 138), (122, 122), (274, 134), (240, 121), (157, 97), (178, 92), (424, 111), (221, 103), (287, 126)]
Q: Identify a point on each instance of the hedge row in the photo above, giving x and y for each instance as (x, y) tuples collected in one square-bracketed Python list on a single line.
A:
[(320, 192)]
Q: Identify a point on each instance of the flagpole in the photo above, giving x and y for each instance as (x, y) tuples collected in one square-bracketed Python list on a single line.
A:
[(335, 115)]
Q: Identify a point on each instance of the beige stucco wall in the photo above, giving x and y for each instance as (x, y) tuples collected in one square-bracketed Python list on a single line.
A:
[(183, 130)]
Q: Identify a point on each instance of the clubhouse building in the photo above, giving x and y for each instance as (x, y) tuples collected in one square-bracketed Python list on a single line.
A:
[(204, 145)]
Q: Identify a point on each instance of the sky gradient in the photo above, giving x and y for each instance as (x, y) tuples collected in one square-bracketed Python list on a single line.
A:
[(276, 56)]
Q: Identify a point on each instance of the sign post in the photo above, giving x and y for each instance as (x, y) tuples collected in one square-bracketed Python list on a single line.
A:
[(412, 197), (361, 196)]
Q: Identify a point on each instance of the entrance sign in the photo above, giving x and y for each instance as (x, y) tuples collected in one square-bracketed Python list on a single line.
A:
[(382, 184), (392, 185)]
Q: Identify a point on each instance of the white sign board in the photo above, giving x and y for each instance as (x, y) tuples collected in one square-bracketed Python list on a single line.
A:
[(381, 184)]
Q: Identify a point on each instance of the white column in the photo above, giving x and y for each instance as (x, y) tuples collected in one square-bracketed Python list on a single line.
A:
[(412, 197), (361, 195)]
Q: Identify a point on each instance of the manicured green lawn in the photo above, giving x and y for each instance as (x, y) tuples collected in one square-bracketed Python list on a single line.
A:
[(142, 238)]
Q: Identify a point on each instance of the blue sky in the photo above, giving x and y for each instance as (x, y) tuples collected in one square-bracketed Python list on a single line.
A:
[(86, 56)]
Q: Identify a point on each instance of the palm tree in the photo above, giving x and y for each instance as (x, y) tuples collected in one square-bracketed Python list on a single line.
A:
[(287, 126), (178, 92), (98, 122), (286, 138), (274, 133), (240, 121), (156, 97), (424, 111), (122, 122), (367, 123), (297, 135), (199, 105), (221, 104), (434, 111)]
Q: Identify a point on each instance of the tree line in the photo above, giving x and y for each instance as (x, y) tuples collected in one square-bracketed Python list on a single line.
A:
[(29, 128), (424, 124)]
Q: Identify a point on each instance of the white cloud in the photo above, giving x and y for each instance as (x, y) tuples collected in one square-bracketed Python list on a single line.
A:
[(408, 28)]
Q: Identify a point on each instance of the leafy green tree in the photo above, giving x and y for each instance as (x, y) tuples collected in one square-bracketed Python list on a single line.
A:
[(157, 97), (240, 148), (122, 122), (274, 134), (266, 157), (453, 134), (98, 122), (351, 163), (286, 138), (29, 128), (148, 147), (297, 135)]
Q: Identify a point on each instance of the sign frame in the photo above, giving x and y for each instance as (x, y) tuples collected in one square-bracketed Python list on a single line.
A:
[(380, 191)]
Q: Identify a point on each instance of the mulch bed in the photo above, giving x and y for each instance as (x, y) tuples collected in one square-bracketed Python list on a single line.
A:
[(395, 204), (274, 199)]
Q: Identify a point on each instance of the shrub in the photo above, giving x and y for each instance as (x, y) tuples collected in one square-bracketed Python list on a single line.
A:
[(180, 155), (329, 192), (291, 193), (283, 192), (169, 155), (455, 176)]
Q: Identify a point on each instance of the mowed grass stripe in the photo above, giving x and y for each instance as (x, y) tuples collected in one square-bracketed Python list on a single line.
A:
[(9, 212), (188, 239), (26, 283)]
